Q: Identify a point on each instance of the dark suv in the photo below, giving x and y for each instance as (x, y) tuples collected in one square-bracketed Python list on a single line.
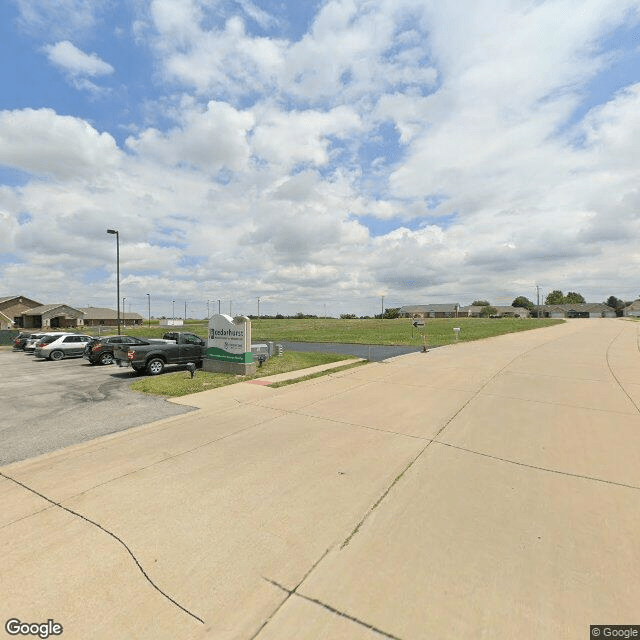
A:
[(100, 350)]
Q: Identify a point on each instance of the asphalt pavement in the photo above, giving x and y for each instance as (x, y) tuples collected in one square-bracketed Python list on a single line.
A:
[(49, 405)]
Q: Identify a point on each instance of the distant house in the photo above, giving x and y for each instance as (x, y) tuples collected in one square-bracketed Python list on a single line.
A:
[(52, 316), (100, 316), (12, 308), (581, 310), (512, 312), (451, 310), (633, 310)]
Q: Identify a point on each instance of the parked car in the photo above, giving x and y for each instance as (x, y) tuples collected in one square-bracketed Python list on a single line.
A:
[(57, 347), (21, 340), (30, 344), (100, 350)]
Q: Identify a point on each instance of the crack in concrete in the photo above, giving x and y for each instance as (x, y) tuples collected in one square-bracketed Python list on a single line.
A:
[(331, 609), (114, 536), (633, 402)]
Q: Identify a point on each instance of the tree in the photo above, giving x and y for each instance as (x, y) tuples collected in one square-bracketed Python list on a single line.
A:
[(614, 302), (391, 313), (522, 301), (488, 310), (480, 303), (555, 297), (573, 298)]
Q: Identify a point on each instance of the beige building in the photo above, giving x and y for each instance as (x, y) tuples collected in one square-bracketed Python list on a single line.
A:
[(12, 308), (52, 316), (100, 316)]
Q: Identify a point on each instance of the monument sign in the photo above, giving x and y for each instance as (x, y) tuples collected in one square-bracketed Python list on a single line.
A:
[(229, 345)]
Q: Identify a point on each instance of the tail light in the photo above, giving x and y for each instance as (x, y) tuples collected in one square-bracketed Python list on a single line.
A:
[(96, 348), (39, 345), (131, 354)]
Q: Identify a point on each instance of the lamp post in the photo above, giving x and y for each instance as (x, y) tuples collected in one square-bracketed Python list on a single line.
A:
[(117, 235), (173, 312), (124, 315), (149, 300)]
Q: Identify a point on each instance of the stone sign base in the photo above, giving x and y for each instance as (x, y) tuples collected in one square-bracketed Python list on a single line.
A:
[(238, 368)]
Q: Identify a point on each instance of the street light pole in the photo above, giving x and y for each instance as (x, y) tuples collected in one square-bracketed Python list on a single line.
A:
[(173, 311), (149, 300), (124, 315), (117, 235)]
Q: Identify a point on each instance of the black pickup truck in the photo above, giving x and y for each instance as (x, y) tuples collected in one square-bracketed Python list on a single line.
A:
[(152, 356)]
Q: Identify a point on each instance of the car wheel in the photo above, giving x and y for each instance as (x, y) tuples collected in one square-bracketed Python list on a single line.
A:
[(106, 358), (155, 366), (56, 355)]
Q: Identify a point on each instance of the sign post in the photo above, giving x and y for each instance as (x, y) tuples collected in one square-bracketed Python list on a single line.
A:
[(229, 346)]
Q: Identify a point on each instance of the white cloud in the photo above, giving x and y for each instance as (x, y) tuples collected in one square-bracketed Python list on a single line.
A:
[(61, 18), (209, 139), (75, 62), (43, 142)]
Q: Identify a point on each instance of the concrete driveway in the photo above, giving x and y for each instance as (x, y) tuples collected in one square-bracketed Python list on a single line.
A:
[(482, 490)]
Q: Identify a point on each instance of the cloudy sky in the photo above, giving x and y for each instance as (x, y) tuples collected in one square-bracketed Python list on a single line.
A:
[(318, 154)]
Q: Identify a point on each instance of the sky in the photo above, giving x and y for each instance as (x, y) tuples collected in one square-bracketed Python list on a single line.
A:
[(326, 156)]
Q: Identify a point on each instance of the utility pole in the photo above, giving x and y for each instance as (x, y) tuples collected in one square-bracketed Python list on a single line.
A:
[(208, 316), (258, 306), (185, 311)]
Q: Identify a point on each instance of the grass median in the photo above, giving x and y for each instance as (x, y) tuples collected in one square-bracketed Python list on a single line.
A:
[(180, 383)]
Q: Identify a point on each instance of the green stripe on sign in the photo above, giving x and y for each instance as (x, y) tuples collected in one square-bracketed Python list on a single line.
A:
[(215, 353)]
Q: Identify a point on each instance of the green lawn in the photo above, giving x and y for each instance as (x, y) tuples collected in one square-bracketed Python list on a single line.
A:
[(388, 332), (180, 383)]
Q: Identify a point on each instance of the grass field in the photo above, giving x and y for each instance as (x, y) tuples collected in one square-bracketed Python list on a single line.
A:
[(437, 331), (180, 383)]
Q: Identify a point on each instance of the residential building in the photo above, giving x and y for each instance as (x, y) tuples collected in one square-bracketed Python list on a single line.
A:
[(100, 316), (579, 310), (52, 316), (633, 310), (12, 308)]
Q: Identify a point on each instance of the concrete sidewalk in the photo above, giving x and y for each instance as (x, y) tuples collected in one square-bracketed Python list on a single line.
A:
[(483, 490)]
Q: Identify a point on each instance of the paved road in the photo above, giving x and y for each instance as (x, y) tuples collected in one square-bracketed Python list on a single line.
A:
[(485, 490), (49, 405)]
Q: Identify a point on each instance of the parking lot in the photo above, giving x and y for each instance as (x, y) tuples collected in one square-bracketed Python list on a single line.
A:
[(49, 405)]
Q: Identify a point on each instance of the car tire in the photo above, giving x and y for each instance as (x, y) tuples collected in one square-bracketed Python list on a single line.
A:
[(56, 355), (155, 366), (106, 358)]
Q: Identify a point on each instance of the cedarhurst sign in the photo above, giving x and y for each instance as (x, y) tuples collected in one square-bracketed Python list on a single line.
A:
[(229, 342)]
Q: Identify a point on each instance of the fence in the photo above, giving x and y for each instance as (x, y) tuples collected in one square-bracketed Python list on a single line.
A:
[(7, 337)]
